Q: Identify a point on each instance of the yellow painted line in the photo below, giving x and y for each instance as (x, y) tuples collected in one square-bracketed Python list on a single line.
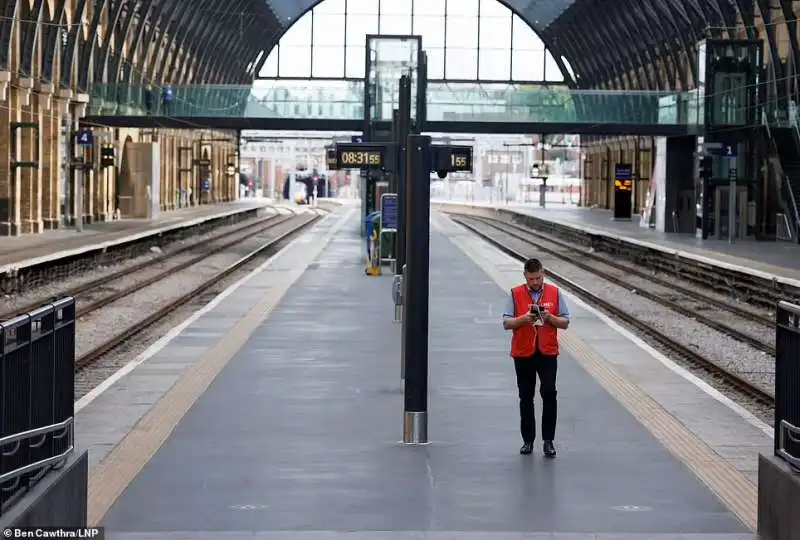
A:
[(727, 483), (110, 478), (730, 486)]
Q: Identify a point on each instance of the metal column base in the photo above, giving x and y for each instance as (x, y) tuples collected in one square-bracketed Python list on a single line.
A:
[(415, 427), (398, 313)]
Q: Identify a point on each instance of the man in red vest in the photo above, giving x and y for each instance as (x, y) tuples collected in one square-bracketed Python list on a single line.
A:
[(535, 312)]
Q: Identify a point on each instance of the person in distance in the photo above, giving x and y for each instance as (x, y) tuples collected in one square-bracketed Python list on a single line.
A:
[(535, 312)]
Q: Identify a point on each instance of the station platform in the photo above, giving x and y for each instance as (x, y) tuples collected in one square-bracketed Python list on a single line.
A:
[(768, 259), (30, 250), (276, 412)]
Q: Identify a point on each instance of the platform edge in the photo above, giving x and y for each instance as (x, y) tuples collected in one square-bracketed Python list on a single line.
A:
[(732, 488), (110, 478)]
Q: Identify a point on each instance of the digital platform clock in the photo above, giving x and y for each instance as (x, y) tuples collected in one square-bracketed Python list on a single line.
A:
[(451, 158), (360, 156)]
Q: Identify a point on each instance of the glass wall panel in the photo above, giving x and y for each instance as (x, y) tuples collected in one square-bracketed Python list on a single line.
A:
[(464, 39)]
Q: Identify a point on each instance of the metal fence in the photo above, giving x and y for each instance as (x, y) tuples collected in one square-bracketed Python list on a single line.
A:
[(37, 395), (787, 383)]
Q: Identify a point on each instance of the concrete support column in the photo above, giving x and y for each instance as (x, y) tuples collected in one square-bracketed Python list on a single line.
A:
[(50, 157), (63, 179), (103, 205), (9, 209), (84, 206), (29, 178)]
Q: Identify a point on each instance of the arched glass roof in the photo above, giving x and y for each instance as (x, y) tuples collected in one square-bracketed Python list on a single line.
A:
[(465, 40)]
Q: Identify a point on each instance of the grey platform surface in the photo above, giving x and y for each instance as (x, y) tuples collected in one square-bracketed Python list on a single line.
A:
[(784, 255), (298, 436)]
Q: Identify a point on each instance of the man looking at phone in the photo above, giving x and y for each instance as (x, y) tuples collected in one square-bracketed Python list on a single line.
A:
[(535, 312)]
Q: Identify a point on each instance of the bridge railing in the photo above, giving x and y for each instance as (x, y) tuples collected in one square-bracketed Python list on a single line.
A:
[(37, 395), (787, 383), (455, 102)]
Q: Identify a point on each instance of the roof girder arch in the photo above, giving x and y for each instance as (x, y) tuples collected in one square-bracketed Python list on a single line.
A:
[(145, 8), (678, 40), (156, 45), (114, 20), (664, 51), (616, 58), (72, 51), (769, 30), (607, 57), (153, 6), (642, 54), (188, 22), (88, 46), (217, 33), (32, 17), (211, 55), (7, 15), (583, 65), (51, 41), (790, 19)]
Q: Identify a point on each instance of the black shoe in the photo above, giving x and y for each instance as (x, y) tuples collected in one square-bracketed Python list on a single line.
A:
[(549, 449), (526, 449)]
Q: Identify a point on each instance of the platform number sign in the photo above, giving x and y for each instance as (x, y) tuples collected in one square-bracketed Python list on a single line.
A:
[(84, 137)]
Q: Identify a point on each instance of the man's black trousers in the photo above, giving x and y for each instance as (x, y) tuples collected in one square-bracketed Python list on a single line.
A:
[(545, 367)]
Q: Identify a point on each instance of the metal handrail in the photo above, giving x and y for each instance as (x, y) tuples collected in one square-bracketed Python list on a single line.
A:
[(59, 431), (791, 432), (786, 182)]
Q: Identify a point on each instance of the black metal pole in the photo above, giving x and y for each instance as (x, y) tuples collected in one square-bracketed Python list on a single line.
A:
[(415, 324), (404, 125)]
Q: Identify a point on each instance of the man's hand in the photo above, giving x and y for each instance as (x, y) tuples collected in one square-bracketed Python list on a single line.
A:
[(527, 318)]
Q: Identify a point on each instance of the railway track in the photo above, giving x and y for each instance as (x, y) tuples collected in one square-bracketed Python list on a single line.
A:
[(298, 224), (687, 302), (472, 223), (103, 282)]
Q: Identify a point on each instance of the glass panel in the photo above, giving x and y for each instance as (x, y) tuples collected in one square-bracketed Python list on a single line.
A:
[(299, 33), (464, 8), (462, 32), (461, 64), (455, 102), (494, 64), (328, 29), (430, 7), (551, 70), (527, 65), (328, 61), (429, 27), (358, 26), (495, 32), (435, 62), (335, 7), (398, 25), (355, 62), (395, 7), (524, 37), (270, 67), (295, 61), (362, 7)]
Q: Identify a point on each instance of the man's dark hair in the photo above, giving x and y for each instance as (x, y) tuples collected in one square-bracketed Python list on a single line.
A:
[(533, 265)]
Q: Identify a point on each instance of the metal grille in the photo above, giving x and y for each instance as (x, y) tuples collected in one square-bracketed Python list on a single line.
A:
[(37, 395), (787, 383)]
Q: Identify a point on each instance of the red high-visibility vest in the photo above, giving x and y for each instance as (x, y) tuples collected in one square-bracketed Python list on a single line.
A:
[(525, 338)]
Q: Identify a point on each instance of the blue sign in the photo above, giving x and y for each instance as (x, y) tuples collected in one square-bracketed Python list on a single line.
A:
[(731, 150), (205, 185), (85, 137), (623, 171), (389, 211), (358, 138)]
